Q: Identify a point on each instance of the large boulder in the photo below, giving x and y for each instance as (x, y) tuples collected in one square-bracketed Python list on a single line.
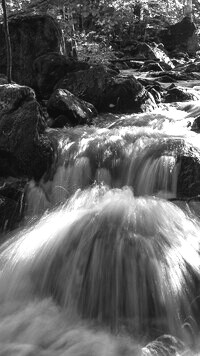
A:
[(126, 94), (50, 68), (87, 85), (31, 36), (74, 110), (107, 91), (181, 36), (25, 150)]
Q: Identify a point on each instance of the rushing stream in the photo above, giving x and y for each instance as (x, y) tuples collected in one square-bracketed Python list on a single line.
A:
[(106, 264)]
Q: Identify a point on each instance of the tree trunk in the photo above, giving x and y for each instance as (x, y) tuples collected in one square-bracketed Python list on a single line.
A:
[(8, 44)]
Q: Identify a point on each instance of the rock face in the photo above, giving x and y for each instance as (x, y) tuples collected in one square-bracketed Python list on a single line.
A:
[(108, 92), (31, 36), (180, 36), (24, 149), (76, 111), (87, 85), (50, 68)]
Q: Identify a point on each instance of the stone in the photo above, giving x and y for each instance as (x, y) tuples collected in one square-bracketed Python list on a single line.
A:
[(180, 36), (108, 92), (59, 122), (87, 85), (126, 94), (75, 110), (188, 184), (196, 125), (175, 94), (156, 67), (25, 150), (31, 37), (50, 68)]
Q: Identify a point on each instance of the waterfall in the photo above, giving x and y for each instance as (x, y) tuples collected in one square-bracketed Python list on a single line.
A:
[(105, 264)]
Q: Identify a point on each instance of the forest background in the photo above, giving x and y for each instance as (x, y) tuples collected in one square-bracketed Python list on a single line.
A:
[(94, 28)]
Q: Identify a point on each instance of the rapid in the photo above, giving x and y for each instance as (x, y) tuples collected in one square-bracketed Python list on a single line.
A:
[(107, 260)]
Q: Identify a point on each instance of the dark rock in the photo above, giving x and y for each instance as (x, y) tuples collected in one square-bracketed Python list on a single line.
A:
[(124, 94), (87, 85), (106, 92), (12, 203), (166, 79), (196, 125), (180, 36), (193, 67), (50, 68), (31, 36), (24, 148), (179, 94), (59, 122), (156, 67), (77, 111), (188, 184)]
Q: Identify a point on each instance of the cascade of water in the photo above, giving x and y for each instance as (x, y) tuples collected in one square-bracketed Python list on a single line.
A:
[(145, 159), (125, 262), (109, 266)]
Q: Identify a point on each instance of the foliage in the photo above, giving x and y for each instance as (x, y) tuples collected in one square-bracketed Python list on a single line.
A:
[(107, 21)]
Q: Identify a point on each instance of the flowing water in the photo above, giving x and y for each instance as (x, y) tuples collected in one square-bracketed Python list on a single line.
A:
[(106, 264)]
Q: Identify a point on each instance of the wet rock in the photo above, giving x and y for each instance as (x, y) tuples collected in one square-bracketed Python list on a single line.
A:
[(156, 67), (106, 92), (196, 125), (166, 79), (31, 36), (165, 345), (12, 203), (75, 110), (50, 68), (123, 94), (179, 94), (87, 85), (181, 36), (188, 184), (25, 150)]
